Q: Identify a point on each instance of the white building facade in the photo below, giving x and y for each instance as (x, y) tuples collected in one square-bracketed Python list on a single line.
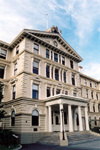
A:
[(41, 77)]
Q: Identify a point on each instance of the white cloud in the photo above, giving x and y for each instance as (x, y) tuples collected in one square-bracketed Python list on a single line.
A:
[(92, 70)]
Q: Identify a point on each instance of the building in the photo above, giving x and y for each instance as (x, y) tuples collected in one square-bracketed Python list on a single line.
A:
[(41, 76)]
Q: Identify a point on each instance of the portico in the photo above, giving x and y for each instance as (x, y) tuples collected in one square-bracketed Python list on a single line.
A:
[(75, 113)]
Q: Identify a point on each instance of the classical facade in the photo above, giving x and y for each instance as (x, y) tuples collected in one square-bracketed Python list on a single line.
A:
[(41, 79)]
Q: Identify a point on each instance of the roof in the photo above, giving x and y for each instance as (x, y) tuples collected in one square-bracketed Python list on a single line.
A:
[(36, 36)]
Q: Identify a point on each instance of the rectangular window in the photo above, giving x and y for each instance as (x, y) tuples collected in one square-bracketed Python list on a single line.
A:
[(17, 50), (15, 68), (74, 94), (60, 59), (92, 94), (85, 82), (55, 57), (71, 64), (63, 60), (57, 74), (35, 67), (66, 92), (14, 92), (47, 71), (64, 77), (95, 85), (51, 55), (3, 54), (47, 53), (87, 93), (1, 72), (90, 84), (57, 91), (35, 91), (73, 79), (48, 91), (36, 48)]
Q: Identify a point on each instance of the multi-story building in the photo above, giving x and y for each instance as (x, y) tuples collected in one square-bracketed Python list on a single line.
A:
[(41, 78)]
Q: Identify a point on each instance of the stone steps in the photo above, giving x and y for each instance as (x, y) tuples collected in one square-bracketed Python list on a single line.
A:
[(52, 139), (78, 137)]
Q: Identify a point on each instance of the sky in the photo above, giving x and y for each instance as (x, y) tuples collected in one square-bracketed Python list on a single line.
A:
[(79, 21)]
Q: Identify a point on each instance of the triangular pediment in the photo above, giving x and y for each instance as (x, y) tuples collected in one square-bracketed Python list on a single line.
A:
[(63, 45)]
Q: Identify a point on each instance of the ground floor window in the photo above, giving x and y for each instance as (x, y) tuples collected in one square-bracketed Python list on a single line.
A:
[(35, 118)]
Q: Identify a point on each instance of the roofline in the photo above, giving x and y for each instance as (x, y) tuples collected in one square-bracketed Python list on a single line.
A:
[(88, 77)]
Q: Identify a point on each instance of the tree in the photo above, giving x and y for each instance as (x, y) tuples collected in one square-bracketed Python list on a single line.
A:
[(2, 112)]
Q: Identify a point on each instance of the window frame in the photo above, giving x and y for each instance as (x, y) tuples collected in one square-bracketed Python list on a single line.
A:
[(35, 69), (47, 71), (36, 118), (14, 92), (35, 93), (47, 53), (36, 50), (73, 79), (71, 64), (13, 118), (55, 57), (15, 68), (2, 55), (56, 74)]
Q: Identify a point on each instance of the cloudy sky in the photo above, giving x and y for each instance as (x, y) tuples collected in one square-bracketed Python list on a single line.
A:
[(79, 21)]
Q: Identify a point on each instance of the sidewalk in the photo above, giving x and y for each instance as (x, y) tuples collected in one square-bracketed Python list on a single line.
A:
[(92, 145)]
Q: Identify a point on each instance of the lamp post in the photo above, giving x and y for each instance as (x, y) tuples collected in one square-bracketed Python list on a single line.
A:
[(62, 110)]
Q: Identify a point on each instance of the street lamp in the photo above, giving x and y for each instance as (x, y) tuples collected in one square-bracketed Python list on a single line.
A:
[(62, 110)]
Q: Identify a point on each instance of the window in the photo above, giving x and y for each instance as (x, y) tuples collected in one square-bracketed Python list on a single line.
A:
[(74, 94), (98, 107), (55, 57), (35, 91), (65, 118), (17, 50), (94, 107), (51, 55), (57, 91), (56, 74), (97, 96), (73, 79), (66, 92), (3, 54), (13, 118), (61, 75), (95, 85), (35, 118), (1, 72), (77, 119), (85, 82), (53, 91), (52, 72), (63, 60), (60, 59), (90, 84), (92, 94), (48, 91), (47, 71), (64, 77), (55, 43), (57, 120), (35, 67), (87, 93), (47, 53), (14, 92), (71, 64), (88, 107), (15, 68), (36, 48)]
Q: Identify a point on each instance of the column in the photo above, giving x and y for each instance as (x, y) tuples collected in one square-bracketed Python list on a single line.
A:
[(46, 119), (49, 119), (50, 71), (86, 119), (80, 119), (70, 119), (61, 125), (75, 124)]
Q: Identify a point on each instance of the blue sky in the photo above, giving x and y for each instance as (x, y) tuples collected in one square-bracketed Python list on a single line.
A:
[(79, 21)]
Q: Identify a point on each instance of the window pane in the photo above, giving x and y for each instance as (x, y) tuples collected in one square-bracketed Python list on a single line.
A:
[(47, 53), (1, 72), (35, 87), (48, 92), (47, 71), (35, 113), (71, 64), (3, 53), (55, 57), (36, 64), (56, 74)]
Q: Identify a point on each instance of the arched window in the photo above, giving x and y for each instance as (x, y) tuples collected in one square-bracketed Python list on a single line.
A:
[(35, 118), (13, 118)]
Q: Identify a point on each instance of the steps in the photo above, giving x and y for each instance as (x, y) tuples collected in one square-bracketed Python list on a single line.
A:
[(77, 137), (52, 139)]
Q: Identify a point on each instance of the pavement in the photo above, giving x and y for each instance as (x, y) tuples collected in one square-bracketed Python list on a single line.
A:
[(91, 145)]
